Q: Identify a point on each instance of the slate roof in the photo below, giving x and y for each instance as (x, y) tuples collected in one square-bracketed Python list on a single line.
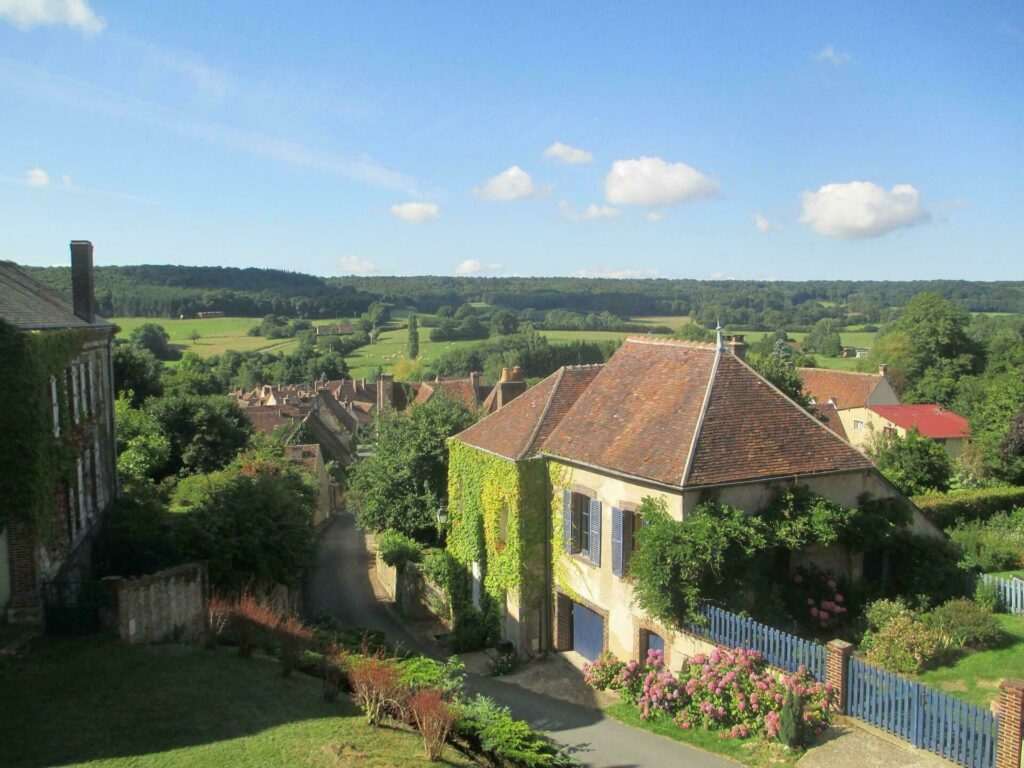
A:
[(849, 389), (676, 413), (931, 420), (31, 305)]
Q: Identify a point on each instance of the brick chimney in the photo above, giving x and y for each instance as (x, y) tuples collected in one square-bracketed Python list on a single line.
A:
[(737, 346), (82, 295), (386, 391), (510, 387)]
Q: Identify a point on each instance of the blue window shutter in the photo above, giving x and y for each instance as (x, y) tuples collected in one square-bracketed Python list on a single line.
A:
[(567, 537), (618, 561), (595, 532)]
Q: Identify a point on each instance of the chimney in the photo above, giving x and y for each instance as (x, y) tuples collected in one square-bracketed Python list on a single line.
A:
[(510, 387), (474, 380), (517, 373), (81, 280), (504, 374), (386, 391), (737, 346), (883, 369)]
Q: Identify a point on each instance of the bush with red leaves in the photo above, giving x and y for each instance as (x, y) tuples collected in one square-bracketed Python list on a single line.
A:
[(434, 718)]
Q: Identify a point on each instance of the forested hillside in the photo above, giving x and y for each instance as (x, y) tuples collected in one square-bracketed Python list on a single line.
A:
[(169, 291)]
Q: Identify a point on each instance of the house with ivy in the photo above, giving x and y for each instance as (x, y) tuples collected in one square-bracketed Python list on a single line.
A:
[(546, 494), (58, 471)]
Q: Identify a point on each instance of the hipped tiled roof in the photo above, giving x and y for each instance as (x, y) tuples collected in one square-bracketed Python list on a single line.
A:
[(849, 389), (676, 413)]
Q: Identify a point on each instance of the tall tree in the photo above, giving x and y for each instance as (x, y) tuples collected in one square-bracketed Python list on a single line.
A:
[(414, 338)]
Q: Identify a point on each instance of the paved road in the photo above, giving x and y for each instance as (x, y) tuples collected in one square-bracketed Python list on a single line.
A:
[(341, 587)]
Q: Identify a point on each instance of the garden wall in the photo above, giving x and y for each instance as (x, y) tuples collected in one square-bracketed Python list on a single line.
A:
[(417, 597), (165, 605)]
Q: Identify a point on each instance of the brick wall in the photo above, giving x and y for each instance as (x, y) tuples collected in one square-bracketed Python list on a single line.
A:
[(1011, 724)]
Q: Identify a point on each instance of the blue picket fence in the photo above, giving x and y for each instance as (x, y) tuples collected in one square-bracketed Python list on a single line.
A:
[(1011, 592), (779, 648), (929, 719)]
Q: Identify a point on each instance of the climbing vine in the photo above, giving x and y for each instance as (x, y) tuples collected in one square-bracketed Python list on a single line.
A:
[(32, 461), (485, 495)]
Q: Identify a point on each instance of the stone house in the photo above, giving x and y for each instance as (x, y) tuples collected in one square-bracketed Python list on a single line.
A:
[(80, 404), (311, 457), (544, 493), (849, 394)]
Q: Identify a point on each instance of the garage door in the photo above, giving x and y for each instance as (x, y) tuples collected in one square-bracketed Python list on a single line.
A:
[(587, 632)]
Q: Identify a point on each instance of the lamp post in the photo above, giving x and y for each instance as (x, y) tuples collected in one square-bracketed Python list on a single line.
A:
[(442, 517)]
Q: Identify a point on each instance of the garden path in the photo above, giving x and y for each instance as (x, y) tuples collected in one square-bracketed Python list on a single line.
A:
[(343, 587)]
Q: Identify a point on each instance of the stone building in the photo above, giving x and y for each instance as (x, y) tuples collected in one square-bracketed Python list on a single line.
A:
[(80, 405)]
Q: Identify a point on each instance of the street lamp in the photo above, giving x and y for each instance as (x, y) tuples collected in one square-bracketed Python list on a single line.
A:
[(442, 515)]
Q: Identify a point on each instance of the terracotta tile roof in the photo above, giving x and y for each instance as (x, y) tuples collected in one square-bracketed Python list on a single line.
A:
[(829, 416), (267, 418), (931, 420), (643, 412), (752, 431), (515, 430), (849, 389), (29, 304)]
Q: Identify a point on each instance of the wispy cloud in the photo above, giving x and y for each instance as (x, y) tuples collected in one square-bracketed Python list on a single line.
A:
[(473, 267), (37, 177), (26, 14), (416, 213), (563, 153), (89, 97), (763, 224), (511, 184), (353, 265), (829, 55), (617, 274), (590, 213)]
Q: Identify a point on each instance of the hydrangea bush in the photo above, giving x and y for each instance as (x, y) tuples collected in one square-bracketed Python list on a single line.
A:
[(732, 691)]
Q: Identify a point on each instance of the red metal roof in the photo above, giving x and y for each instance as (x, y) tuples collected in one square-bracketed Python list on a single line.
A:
[(931, 420)]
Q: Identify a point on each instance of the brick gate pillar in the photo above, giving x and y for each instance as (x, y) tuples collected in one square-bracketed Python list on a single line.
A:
[(837, 656), (1011, 723), (562, 623)]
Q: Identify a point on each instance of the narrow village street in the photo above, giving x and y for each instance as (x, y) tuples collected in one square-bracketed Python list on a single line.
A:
[(342, 587)]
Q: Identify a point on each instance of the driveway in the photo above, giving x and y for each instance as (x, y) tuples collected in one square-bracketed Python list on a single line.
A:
[(342, 587)]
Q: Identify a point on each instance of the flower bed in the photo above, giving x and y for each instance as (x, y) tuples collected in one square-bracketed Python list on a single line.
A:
[(731, 691)]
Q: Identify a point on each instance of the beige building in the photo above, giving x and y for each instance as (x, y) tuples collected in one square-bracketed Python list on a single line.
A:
[(850, 394), (680, 421), (948, 429)]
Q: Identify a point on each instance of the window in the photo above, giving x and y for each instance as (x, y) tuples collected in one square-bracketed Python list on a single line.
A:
[(635, 523), (889, 432), (858, 424), (581, 522), (55, 405)]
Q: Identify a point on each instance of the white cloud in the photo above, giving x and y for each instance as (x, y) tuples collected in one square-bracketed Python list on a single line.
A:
[(591, 212), (474, 267), (353, 265), (763, 223), (65, 180), (563, 153), (511, 184), (655, 215), (37, 177), (26, 14), (650, 181), (860, 209), (416, 213), (830, 55), (617, 274)]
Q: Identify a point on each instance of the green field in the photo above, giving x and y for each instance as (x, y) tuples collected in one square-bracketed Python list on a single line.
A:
[(216, 334), (98, 702)]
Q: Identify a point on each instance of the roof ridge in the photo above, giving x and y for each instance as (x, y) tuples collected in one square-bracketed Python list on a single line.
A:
[(844, 373), (543, 414), (663, 342), (688, 466)]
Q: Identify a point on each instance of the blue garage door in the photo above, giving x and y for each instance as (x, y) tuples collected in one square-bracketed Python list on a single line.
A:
[(654, 642), (587, 632)]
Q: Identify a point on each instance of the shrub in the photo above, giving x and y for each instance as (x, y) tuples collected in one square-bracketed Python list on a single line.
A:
[(490, 730), (946, 509), (904, 644), (505, 664), (987, 596), (398, 550), (661, 693), (376, 684), (986, 547), (433, 717), (437, 565), (818, 599), (252, 622), (471, 631), (924, 568), (333, 666), (630, 681), (418, 672), (791, 721), (295, 637), (881, 612), (965, 625), (604, 672), (218, 618)]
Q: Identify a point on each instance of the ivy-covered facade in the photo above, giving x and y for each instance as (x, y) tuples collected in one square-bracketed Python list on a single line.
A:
[(545, 493), (58, 463)]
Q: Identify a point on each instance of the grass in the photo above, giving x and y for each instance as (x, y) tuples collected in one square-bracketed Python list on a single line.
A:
[(97, 702), (754, 751), (1010, 574), (672, 321), (976, 677), (392, 346)]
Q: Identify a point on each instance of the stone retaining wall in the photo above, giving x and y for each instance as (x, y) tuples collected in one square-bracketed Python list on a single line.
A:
[(167, 605)]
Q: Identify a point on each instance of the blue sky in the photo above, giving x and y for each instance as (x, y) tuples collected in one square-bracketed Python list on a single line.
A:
[(772, 140)]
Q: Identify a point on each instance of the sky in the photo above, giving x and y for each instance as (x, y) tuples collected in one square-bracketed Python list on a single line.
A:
[(776, 141)]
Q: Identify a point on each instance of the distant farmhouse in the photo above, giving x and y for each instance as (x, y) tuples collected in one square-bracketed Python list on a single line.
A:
[(858, 406), (545, 492), (79, 404)]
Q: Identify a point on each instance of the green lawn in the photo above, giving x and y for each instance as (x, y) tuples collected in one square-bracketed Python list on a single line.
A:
[(753, 752), (672, 321), (97, 702), (1010, 574), (216, 334), (976, 677)]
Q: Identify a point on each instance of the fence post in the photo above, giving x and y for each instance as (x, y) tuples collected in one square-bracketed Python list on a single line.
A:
[(837, 656), (1011, 723)]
